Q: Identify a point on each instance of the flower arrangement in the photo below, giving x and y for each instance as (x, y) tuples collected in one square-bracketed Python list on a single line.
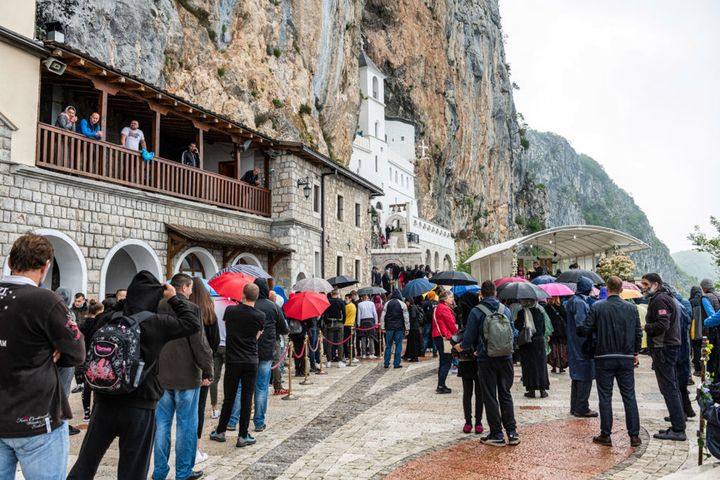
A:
[(704, 395)]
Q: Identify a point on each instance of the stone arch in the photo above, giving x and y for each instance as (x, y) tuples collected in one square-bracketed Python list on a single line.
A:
[(447, 263), (437, 261), (402, 221), (300, 276), (391, 261), (206, 258), (428, 257), (69, 265), (247, 258), (123, 261)]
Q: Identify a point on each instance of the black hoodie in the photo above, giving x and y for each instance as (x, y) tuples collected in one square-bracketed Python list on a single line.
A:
[(275, 322), (144, 294)]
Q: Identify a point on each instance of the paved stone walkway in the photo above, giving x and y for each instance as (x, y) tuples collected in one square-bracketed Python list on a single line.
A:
[(367, 422)]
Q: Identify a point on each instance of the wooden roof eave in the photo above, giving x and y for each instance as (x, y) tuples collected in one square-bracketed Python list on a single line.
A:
[(106, 79)]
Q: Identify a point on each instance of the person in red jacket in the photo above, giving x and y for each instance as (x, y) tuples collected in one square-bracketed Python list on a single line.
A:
[(444, 326)]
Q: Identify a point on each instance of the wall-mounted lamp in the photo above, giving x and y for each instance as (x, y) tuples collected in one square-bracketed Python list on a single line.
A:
[(305, 183)]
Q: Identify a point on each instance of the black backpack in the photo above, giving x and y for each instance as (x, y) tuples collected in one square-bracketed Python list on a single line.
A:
[(114, 362)]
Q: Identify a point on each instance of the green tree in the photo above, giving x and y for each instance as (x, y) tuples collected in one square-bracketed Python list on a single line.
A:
[(464, 254), (708, 244)]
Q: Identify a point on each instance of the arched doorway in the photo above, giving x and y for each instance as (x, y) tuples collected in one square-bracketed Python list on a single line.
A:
[(437, 261), (125, 260), (196, 262), (247, 259), (447, 263), (68, 268)]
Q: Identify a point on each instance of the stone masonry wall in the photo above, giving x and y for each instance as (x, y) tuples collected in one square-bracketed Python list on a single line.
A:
[(347, 240), (98, 215)]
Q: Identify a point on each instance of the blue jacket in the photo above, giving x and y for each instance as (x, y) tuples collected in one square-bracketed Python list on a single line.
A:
[(581, 367), (473, 336), (89, 130)]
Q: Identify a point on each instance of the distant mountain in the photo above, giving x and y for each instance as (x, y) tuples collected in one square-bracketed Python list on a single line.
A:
[(696, 264), (579, 191)]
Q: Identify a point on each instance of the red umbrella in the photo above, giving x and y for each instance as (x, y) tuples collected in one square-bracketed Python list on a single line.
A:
[(557, 289), (231, 284), (305, 305), (503, 281)]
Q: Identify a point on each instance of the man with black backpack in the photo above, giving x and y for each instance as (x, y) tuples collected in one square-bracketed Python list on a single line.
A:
[(490, 333), (125, 408)]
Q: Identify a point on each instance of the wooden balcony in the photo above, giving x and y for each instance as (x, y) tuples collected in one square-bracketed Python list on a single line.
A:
[(75, 154)]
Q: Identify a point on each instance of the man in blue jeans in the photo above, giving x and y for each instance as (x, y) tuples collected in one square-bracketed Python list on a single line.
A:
[(185, 365), (275, 324), (395, 320), (38, 334), (614, 324)]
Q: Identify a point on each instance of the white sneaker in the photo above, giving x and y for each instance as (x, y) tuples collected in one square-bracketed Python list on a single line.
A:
[(200, 457), (341, 364), (364, 357), (215, 414), (327, 364), (372, 356)]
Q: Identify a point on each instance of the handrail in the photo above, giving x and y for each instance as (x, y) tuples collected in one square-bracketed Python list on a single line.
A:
[(72, 153)]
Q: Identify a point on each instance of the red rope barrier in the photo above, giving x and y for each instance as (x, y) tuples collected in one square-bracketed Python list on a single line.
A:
[(282, 358), (358, 329), (317, 345), (302, 352), (340, 343)]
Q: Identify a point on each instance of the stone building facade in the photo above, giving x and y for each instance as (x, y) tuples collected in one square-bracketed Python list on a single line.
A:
[(105, 229)]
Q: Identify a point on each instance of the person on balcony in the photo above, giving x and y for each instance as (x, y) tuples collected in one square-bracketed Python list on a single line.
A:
[(191, 156), (252, 177), (91, 128), (132, 137), (67, 119)]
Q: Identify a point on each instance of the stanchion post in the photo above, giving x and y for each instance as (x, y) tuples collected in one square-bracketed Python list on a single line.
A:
[(290, 363), (321, 346), (381, 340), (352, 347), (307, 362)]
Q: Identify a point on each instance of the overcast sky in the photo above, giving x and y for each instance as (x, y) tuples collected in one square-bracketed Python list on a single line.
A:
[(635, 84)]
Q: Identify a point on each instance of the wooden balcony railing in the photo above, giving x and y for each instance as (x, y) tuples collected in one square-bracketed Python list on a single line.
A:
[(76, 154)]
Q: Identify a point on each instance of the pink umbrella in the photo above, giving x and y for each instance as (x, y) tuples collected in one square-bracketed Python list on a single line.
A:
[(557, 289), (630, 286), (503, 281)]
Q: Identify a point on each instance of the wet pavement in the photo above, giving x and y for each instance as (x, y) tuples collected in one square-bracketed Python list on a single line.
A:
[(367, 422)]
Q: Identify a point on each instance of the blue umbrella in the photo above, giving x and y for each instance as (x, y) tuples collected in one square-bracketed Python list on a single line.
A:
[(459, 290), (543, 279), (417, 287), (280, 291)]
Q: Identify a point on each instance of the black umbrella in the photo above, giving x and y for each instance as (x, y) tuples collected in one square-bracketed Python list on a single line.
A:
[(371, 291), (453, 278), (572, 276), (341, 281), (522, 291)]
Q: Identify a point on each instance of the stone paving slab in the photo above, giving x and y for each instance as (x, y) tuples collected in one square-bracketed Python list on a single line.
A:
[(366, 422)]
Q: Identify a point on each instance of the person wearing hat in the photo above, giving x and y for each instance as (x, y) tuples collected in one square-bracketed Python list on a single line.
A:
[(582, 368)]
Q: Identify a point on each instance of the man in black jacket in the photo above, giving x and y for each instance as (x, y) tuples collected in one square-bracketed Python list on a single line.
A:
[(376, 277), (275, 324), (615, 324), (38, 334), (662, 326), (395, 321), (334, 318), (131, 417)]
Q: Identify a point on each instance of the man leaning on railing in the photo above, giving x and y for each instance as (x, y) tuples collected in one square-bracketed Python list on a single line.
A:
[(91, 129)]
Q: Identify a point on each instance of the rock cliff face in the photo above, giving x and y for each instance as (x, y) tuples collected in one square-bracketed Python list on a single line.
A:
[(580, 192), (260, 61)]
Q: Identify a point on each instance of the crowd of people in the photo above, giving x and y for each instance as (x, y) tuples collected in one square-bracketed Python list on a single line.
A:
[(149, 357)]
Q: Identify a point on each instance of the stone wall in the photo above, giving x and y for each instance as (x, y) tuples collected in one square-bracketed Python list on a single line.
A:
[(344, 238), (5, 139), (97, 216)]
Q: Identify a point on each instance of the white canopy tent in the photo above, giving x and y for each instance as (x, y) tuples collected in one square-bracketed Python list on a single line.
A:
[(558, 247)]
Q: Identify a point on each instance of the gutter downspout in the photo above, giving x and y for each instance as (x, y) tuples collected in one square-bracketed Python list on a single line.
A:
[(322, 220)]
